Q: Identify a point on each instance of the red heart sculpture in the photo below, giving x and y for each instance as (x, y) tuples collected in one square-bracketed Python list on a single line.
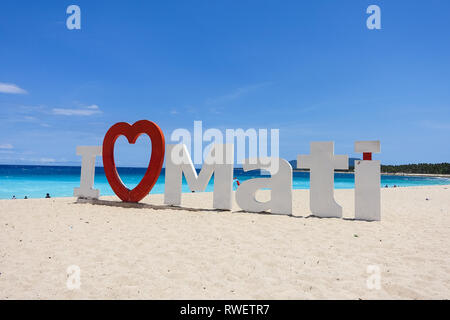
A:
[(132, 132)]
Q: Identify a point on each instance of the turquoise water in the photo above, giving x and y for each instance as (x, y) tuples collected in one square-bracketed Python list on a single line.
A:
[(36, 181)]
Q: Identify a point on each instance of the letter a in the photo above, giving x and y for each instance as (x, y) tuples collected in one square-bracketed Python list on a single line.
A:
[(374, 21), (280, 185), (73, 21)]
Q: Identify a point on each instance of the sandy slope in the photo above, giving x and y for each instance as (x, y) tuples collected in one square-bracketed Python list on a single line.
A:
[(188, 254)]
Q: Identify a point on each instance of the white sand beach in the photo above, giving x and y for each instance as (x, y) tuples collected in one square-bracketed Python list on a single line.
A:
[(185, 253)]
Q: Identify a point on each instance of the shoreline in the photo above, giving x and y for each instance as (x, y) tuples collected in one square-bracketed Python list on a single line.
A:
[(416, 174), (402, 174), (102, 197)]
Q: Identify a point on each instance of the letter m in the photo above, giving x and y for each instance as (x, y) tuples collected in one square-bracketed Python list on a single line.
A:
[(220, 161)]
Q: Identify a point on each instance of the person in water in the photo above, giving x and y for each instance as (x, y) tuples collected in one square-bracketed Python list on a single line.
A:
[(14, 197), (236, 183), (47, 196), (26, 197)]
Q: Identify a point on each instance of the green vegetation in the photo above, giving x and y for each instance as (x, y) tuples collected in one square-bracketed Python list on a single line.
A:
[(420, 168), (426, 168)]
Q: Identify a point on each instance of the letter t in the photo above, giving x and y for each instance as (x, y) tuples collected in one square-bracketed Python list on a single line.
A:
[(321, 161)]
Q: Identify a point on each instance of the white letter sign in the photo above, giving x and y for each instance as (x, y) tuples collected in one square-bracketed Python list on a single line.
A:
[(367, 182), (178, 162), (86, 189), (280, 185), (322, 163)]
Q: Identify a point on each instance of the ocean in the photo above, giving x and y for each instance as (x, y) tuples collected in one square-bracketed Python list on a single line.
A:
[(59, 181)]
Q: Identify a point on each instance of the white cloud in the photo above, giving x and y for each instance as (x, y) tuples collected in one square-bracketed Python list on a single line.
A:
[(47, 160), (6, 146), (237, 93), (11, 88), (85, 111), (434, 125)]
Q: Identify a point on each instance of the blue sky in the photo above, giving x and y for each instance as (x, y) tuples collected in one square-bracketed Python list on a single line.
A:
[(309, 68)]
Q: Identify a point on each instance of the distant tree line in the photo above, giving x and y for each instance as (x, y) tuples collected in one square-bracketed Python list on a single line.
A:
[(423, 168), (427, 168)]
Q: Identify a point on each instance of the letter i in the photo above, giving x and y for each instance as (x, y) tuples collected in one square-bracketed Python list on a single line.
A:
[(86, 189), (367, 182)]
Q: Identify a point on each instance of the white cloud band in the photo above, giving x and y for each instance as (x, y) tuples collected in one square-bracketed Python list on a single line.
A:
[(11, 88)]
